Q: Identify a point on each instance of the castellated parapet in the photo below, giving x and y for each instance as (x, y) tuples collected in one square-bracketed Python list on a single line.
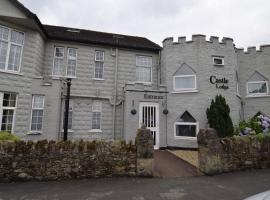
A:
[(253, 50), (198, 38)]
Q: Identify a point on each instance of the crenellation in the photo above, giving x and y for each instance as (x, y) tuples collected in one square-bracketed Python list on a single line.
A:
[(265, 48), (227, 40), (167, 41), (199, 38), (182, 39), (239, 50), (251, 50), (214, 39)]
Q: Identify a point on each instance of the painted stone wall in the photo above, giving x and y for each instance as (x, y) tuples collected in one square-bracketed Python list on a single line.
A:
[(52, 160), (218, 155)]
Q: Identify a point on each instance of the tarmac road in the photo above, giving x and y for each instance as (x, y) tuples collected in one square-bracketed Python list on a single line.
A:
[(231, 186)]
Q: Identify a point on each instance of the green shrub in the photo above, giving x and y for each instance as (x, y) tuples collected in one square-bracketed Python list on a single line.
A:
[(8, 136), (218, 116)]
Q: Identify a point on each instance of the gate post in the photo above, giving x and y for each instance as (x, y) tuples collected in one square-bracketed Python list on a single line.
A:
[(145, 153)]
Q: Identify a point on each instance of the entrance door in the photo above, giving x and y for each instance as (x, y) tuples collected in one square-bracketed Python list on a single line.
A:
[(149, 116)]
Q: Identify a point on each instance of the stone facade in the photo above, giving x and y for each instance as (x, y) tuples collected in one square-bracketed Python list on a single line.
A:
[(218, 155), (52, 160)]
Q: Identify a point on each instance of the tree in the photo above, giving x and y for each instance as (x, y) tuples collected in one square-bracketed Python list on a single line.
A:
[(218, 116)]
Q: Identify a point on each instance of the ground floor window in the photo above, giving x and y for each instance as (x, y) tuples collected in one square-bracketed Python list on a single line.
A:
[(184, 129), (96, 115), (186, 126), (7, 110), (37, 112)]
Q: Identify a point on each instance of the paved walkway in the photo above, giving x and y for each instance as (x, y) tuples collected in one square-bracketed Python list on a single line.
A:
[(167, 165), (231, 186)]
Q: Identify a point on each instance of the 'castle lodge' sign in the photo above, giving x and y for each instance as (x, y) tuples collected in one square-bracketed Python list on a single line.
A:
[(221, 83)]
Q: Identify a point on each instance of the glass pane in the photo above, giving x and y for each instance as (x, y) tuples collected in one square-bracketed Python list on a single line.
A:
[(98, 69), (58, 68), (7, 120), (14, 57), (96, 120), (185, 82), (36, 122), (59, 52), (3, 54), (218, 61), (72, 52), (143, 74), (17, 37), (99, 56), (71, 69), (4, 33), (186, 130), (144, 61), (38, 102), (9, 100), (254, 88)]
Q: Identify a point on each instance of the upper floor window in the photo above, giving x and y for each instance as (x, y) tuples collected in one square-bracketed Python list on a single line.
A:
[(72, 62), (257, 88), (60, 68), (184, 82), (37, 112), (96, 115), (144, 69), (218, 61), (99, 64), (58, 65), (11, 45)]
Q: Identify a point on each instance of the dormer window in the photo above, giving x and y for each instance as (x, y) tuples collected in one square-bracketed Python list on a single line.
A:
[(218, 61)]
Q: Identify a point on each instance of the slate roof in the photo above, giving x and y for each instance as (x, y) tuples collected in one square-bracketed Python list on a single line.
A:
[(101, 38), (88, 36)]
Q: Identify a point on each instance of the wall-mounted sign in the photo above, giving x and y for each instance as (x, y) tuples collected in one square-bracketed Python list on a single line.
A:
[(221, 83), (148, 96)]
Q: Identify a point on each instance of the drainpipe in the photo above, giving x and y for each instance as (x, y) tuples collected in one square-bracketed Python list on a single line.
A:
[(115, 91)]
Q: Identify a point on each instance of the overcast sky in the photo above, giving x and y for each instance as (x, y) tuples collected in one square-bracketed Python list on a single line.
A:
[(246, 21)]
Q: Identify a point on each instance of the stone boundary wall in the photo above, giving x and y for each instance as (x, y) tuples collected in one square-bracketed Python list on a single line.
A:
[(43, 160), (218, 155)]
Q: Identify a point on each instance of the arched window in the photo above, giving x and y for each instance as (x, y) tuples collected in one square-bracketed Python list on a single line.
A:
[(186, 126)]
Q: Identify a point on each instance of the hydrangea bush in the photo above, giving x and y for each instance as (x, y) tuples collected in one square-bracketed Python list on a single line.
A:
[(257, 125)]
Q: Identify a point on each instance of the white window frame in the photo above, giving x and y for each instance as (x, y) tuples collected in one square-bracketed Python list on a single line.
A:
[(99, 61), (54, 57), (218, 57), (72, 58), (257, 94), (186, 123), (96, 110), (8, 49), (32, 108), (185, 89), (8, 108), (151, 69)]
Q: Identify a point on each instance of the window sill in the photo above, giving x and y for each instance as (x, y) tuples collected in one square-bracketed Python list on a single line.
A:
[(69, 131), (185, 138), (216, 65), (11, 72), (62, 77), (34, 133), (95, 131), (144, 83), (98, 79), (258, 96), (185, 91)]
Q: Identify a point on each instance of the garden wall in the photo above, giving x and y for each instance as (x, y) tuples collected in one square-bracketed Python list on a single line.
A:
[(218, 155), (52, 160)]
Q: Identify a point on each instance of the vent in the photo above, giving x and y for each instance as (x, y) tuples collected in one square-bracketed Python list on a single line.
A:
[(73, 30)]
